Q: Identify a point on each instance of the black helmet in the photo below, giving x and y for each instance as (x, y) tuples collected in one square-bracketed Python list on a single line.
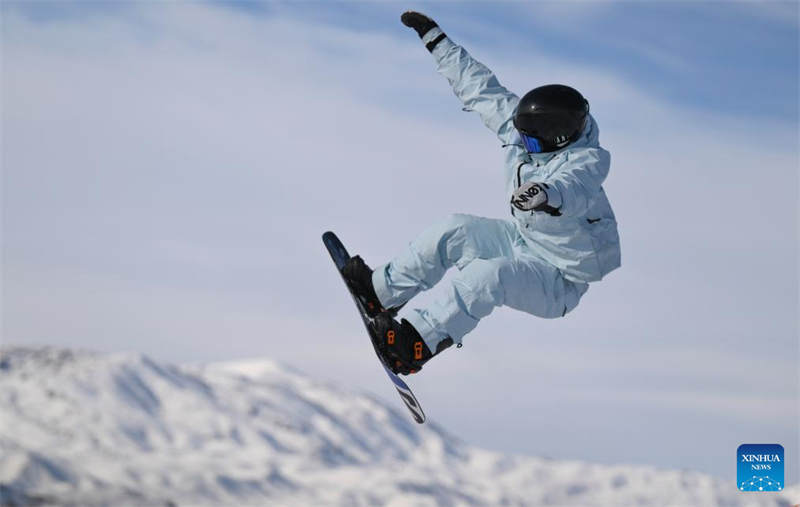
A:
[(551, 117)]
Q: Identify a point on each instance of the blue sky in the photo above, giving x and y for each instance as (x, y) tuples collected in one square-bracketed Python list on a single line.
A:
[(168, 170), (710, 55), (705, 54)]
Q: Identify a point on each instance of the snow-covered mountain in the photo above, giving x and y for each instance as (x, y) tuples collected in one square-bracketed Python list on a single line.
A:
[(78, 428)]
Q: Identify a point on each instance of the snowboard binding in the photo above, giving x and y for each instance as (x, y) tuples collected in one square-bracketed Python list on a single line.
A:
[(359, 278), (401, 346)]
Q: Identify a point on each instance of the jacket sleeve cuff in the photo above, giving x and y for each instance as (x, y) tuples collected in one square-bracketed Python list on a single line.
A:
[(553, 196), (437, 42)]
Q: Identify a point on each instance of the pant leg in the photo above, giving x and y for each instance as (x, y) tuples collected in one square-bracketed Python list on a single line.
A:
[(455, 240), (523, 282)]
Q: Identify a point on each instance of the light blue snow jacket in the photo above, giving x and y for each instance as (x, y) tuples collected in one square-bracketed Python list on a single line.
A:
[(582, 242)]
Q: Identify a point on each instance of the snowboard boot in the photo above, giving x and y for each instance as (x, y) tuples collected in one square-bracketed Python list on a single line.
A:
[(401, 345), (359, 275)]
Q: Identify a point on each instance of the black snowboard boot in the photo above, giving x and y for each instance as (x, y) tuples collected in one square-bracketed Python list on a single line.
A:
[(401, 345), (359, 275)]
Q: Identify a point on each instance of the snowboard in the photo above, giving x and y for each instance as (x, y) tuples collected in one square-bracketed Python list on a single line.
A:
[(339, 255)]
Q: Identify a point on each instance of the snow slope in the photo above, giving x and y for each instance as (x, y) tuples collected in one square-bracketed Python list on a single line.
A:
[(78, 428)]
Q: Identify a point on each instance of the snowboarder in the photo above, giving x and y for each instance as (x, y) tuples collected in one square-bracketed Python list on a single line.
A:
[(562, 235)]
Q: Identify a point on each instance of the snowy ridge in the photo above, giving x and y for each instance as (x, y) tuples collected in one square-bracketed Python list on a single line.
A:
[(79, 428)]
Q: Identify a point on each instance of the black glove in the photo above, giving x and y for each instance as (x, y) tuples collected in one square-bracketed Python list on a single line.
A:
[(418, 21)]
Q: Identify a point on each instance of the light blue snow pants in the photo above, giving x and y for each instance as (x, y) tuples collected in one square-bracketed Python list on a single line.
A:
[(496, 268)]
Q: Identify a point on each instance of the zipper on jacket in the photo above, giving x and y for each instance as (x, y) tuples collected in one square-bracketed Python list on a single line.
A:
[(519, 184)]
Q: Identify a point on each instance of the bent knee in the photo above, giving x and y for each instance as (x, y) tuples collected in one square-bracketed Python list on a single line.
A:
[(456, 222), (485, 275)]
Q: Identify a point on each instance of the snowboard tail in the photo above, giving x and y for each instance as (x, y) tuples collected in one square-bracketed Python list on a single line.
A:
[(339, 255)]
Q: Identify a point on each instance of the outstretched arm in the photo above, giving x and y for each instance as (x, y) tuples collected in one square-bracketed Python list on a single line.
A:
[(473, 83)]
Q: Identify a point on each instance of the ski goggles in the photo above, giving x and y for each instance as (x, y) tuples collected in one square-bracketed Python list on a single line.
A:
[(531, 143)]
